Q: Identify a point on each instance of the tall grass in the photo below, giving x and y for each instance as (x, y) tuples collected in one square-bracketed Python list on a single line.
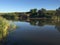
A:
[(4, 24)]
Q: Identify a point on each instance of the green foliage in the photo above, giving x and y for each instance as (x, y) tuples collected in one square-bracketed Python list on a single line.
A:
[(42, 13), (58, 11), (33, 10), (33, 13), (4, 24)]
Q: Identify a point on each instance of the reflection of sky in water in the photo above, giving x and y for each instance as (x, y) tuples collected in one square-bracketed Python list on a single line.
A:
[(29, 34)]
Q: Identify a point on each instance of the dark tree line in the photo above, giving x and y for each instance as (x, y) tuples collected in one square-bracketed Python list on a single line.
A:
[(43, 13), (33, 13)]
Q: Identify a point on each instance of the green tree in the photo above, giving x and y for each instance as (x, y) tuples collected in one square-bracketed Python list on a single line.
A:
[(33, 13), (41, 12), (33, 10), (58, 13)]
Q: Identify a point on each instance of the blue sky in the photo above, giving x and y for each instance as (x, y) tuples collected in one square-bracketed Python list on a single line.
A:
[(26, 5)]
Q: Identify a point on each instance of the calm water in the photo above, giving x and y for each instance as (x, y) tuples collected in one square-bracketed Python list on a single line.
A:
[(34, 32)]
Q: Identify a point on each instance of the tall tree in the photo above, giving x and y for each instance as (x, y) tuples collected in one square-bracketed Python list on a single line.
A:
[(33, 13), (41, 12), (33, 10), (58, 13)]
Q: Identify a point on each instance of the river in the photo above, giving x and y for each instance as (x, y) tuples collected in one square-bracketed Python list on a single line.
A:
[(34, 32)]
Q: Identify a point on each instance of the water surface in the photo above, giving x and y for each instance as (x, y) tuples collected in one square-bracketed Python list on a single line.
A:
[(34, 32)]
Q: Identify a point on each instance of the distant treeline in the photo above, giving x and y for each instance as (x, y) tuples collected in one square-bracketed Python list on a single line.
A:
[(33, 13)]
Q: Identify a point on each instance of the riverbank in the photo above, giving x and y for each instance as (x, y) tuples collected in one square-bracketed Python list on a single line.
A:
[(4, 24)]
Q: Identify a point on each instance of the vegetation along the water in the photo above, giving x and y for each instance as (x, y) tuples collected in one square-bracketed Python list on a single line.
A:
[(4, 27), (33, 14)]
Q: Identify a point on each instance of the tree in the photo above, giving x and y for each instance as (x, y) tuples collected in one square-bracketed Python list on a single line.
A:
[(33, 10), (44, 10), (58, 13), (33, 13), (41, 12)]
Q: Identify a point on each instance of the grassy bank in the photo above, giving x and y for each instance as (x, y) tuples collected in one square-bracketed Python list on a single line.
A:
[(4, 24), (4, 27)]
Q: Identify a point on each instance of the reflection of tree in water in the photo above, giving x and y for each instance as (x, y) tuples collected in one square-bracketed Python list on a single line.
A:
[(58, 25), (33, 22), (36, 22), (40, 22)]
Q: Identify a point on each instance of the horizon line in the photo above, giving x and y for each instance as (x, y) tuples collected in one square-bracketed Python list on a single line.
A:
[(19, 11)]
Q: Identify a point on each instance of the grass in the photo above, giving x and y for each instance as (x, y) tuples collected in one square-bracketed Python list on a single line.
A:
[(4, 26)]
